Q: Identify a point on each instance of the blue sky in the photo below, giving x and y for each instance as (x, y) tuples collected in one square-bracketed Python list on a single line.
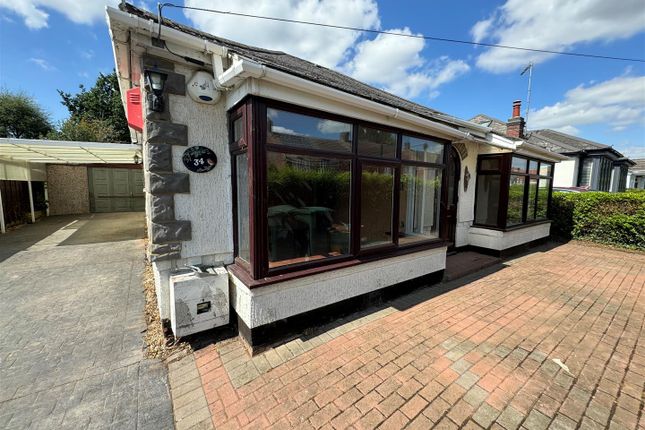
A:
[(47, 45)]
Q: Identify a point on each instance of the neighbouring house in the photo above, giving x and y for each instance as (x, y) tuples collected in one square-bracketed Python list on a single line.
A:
[(636, 175), (590, 165), (51, 177), (320, 189)]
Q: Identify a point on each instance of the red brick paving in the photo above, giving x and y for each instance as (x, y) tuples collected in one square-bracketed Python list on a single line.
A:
[(478, 356)]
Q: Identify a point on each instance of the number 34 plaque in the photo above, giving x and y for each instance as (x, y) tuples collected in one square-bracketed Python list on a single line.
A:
[(199, 159)]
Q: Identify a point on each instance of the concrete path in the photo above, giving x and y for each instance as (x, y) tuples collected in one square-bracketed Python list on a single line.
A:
[(71, 328), (554, 339)]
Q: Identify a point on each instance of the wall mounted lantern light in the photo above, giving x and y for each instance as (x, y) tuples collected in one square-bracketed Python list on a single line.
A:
[(155, 82), (137, 159)]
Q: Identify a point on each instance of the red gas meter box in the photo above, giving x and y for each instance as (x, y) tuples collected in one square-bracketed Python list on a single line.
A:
[(134, 108)]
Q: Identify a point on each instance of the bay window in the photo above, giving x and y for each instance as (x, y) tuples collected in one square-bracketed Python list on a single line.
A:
[(512, 190), (313, 189)]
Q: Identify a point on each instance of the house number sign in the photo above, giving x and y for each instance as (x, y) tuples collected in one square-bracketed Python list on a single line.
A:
[(199, 159)]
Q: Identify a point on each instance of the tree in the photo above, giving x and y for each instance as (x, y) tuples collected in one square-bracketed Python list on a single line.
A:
[(98, 109), (84, 130), (22, 117)]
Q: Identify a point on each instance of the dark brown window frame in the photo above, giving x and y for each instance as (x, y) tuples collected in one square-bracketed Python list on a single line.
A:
[(506, 160), (257, 271)]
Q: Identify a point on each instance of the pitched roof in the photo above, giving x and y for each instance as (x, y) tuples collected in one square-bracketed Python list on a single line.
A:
[(497, 125), (640, 164), (552, 140), (298, 67)]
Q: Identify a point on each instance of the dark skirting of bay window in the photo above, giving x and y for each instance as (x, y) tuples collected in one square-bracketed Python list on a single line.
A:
[(512, 191), (326, 190)]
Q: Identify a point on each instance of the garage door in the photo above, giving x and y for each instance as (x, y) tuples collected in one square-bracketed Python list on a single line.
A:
[(116, 190)]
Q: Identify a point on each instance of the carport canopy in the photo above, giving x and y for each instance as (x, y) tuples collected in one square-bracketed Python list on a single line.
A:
[(63, 152), (68, 152)]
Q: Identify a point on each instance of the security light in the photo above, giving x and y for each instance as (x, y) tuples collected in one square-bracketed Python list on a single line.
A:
[(155, 82)]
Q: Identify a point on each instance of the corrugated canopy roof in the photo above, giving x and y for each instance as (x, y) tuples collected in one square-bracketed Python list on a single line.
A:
[(67, 152)]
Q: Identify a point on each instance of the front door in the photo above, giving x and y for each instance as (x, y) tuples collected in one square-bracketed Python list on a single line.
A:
[(453, 169)]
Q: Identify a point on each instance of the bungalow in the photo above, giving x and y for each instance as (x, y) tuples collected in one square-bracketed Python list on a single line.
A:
[(589, 164), (312, 189)]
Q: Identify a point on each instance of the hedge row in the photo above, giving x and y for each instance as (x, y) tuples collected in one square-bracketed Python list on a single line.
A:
[(611, 218)]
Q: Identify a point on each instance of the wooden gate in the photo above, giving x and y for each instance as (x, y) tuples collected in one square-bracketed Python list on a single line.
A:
[(15, 201)]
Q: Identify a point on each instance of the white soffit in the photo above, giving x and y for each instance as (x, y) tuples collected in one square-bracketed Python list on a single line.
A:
[(68, 152)]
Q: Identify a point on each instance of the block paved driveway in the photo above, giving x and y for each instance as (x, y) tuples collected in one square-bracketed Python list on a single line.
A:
[(477, 353), (71, 322)]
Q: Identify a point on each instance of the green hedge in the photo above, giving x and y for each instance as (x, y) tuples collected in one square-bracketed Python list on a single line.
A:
[(611, 218)]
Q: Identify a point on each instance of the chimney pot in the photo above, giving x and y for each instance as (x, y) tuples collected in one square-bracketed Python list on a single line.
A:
[(516, 108)]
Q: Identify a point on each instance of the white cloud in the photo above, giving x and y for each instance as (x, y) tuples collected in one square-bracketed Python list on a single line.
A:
[(633, 152), (618, 102), (393, 63), (555, 25), (36, 16), (88, 54), (42, 63), (324, 46), (396, 64)]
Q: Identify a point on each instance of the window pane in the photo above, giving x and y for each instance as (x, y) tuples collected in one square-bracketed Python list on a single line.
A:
[(242, 186), (238, 129), (490, 163), (515, 200), (519, 165), (419, 206), (487, 199), (533, 167), (377, 185), (417, 149), (308, 208), (585, 172), (543, 199), (545, 169), (287, 128), (376, 143), (530, 212)]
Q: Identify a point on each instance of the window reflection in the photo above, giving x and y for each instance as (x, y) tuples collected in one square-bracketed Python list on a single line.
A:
[(293, 129), (416, 149), (543, 199), (373, 142), (242, 185), (308, 212), (515, 200), (419, 206), (487, 205), (377, 185), (519, 165)]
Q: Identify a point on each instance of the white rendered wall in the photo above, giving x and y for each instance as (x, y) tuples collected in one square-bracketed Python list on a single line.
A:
[(565, 173), (208, 207), (265, 305), (500, 240)]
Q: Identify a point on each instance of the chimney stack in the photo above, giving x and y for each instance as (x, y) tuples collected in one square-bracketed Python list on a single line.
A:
[(515, 124)]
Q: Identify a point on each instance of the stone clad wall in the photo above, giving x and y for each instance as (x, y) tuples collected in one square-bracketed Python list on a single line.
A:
[(68, 189)]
